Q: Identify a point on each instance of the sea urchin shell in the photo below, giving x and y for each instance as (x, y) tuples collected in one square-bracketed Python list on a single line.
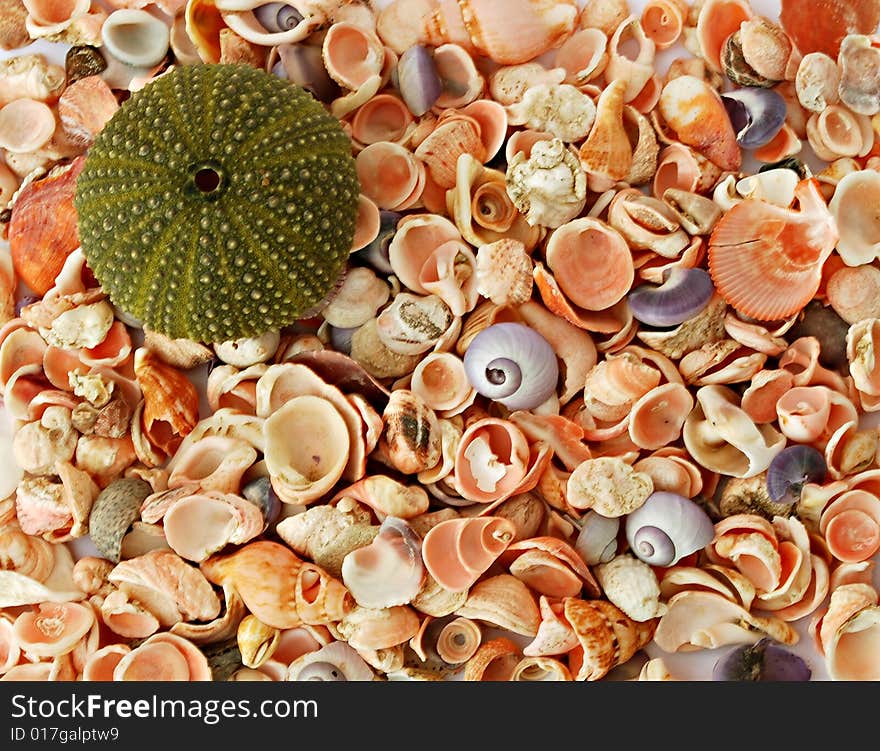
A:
[(218, 203)]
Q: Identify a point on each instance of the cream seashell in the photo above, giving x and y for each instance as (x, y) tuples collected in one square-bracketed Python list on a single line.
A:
[(816, 81), (25, 125), (505, 602), (136, 37), (559, 109), (847, 654), (378, 628), (385, 117), (352, 54), (242, 353), (704, 620), (635, 73), (504, 272), (583, 56), (390, 175), (724, 439), (854, 292), (508, 83), (31, 76), (647, 223), (609, 486), (440, 380), (775, 186), (213, 463), (859, 65), (47, 18), (413, 324), (306, 448), (362, 294), (850, 206)]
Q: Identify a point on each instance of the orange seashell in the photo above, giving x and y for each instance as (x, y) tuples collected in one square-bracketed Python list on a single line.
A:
[(171, 401), (607, 151), (164, 657), (838, 18), (352, 54), (85, 107), (390, 175), (458, 551), (494, 660), (718, 19), (772, 272), (657, 418), (43, 227), (851, 526), (462, 81), (385, 117), (663, 21), (590, 243), (550, 567), (440, 150), (694, 110), (492, 460), (53, 628)]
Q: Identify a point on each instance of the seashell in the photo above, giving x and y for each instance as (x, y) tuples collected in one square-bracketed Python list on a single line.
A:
[(784, 145), (717, 20), (411, 437), (441, 382), (320, 599), (666, 528), (461, 80), (658, 417), (418, 80), (502, 601), (679, 166), (494, 660), (256, 641), (609, 486), (458, 551), (849, 207), (214, 463), (492, 460), (163, 657), (632, 586), (605, 15), (559, 109), (385, 117), (303, 64), (39, 444), (582, 57), (723, 438), (135, 37), (757, 115), (858, 63), (262, 572), (42, 230), (646, 223), (595, 243), (220, 518), (607, 151), (389, 175), (378, 628), (85, 107), (768, 50), (52, 629), (839, 18), (508, 83), (549, 567), (319, 527), (352, 54), (816, 81), (838, 132), (663, 21), (113, 512), (183, 354), (25, 125), (732, 255), (31, 76), (635, 72), (606, 636), (127, 618), (335, 661), (386, 497), (842, 653), (388, 571), (860, 353), (695, 111), (441, 149), (851, 526), (482, 208), (245, 352), (705, 620), (540, 669), (853, 291)]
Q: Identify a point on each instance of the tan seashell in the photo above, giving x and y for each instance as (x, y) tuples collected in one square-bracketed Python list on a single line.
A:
[(462, 81), (256, 641), (386, 497), (502, 601), (605, 15), (768, 50), (318, 526), (704, 620), (410, 440), (85, 107), (816, 81), (859, 66), (559, 109), (672, 470), (378, 628), (307, 448), (680, 167), (25, 125), (720, 580), (495, 660), (634, 72), (32, 76), (264, 574), (583, 56), (645, 149), (736, 364), (508, 83), (413, 324), (607, 637), (358, 300), (724, 439), (320, 598), (647, 223), (214, 463), (608, 485), (854, 292), (220, 629), (38, 445), (440, 150), (127, 618)]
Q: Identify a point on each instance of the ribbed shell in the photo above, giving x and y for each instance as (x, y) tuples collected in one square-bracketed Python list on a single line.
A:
[(254, 253)]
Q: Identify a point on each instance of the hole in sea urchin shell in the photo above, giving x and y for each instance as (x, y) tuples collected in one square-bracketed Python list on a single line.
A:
[(207, 179)]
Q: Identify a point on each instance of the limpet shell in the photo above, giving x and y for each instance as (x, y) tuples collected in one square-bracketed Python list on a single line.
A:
[(112, 514)]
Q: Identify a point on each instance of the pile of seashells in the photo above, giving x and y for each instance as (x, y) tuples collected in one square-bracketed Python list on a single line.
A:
[(586, 386)]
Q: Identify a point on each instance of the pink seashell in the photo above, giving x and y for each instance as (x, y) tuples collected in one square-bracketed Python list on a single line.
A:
[(657, 418), (555, 635), (126, 618), (385, 117), (851, 526), (112, 352), (25, 125), (837, 132), (522, 140), (451, 137), (748, 543), (492, 461), (583, 56), (101, 663), (803, 412), (367, 225), (213, 463), (228, 387), (52, 629), (760, 398), (85, 107), (549, 566), (671, 470), (389, 175), (21, 347), (352, 54), (440, 380), (861, 572), (163, 657)]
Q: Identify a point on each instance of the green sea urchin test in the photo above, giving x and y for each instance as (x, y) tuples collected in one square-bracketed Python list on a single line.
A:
[(218, 203)]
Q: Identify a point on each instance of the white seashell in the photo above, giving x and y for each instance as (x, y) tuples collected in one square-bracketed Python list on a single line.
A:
[(549, 186), (84, 326), (775, 186), (136, 37), (242, 353), (854, 208), (632, 585), (362, 294), (559, 109)]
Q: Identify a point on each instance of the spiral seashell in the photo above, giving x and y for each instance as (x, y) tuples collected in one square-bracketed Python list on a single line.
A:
[(635, 73), (663, 21), (492, 460), (336, 661), (457, 552), (666, 528)]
